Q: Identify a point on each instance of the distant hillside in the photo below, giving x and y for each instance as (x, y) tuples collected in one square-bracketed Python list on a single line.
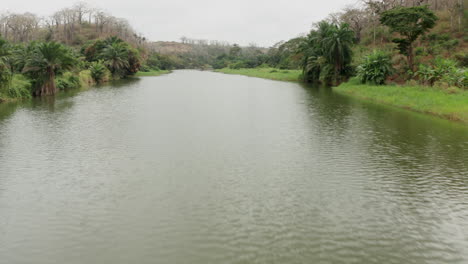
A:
[(170, 47)]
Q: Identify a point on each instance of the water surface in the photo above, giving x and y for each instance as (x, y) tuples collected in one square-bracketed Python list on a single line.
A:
[(199, 167)]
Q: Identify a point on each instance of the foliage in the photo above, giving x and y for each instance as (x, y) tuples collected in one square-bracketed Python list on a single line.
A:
[(115, 56), (442, 103), (462, 58), (118, 56), (410, 23), (376, 67), (20, 87), (157, 61), (48, 59), (5, 65), (67, 81), (443, 70), (98, 71), (284, 55), (327, 53), (86, 79)]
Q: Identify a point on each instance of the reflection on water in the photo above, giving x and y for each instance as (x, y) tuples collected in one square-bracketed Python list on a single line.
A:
[(199, 167)]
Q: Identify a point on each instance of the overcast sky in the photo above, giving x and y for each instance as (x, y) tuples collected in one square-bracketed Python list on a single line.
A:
[(263, 22)]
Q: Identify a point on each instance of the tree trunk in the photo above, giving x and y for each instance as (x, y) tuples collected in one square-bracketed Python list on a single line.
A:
[(337, 70), (410, 58), (48, 88)]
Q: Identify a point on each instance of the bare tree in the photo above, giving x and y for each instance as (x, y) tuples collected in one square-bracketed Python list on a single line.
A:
[(357, 18)]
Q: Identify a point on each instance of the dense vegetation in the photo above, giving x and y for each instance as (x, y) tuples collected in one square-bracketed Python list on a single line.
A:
[(43, 68), (68, 52), (380, 41)]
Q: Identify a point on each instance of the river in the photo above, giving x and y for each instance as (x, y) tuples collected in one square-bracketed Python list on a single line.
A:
[(201, 167)]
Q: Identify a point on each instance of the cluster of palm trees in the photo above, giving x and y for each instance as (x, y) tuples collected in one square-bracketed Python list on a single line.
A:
[(327, 53), (41, 62), (118, 56)]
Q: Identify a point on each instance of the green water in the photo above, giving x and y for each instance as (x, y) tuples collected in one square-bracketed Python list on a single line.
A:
[(199, 167)]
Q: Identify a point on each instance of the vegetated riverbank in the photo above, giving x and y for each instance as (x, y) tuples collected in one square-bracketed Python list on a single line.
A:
[(20, 87), (266, 73), (449, 103), (151, 73)]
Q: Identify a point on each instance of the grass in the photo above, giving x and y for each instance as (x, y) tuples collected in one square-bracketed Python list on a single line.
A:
[(151, 73), (449, 104), (266, 73), (19, 88)]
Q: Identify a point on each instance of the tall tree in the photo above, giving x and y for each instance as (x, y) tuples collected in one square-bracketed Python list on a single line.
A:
[(410, 23), (337, 48), (326, 52), (46, 60), (115, 57)]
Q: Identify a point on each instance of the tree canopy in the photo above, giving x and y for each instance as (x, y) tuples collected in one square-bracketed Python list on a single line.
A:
[(410, 23)]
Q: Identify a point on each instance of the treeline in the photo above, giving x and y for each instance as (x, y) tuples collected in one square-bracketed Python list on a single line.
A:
[(42, 68), (73, 26), (74, 47), (352, 42), (383, 41), (203, 54)]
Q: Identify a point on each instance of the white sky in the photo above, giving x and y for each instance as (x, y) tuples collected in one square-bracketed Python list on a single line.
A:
[(263, 22)]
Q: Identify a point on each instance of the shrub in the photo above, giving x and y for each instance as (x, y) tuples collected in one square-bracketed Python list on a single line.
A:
[(443, 70), (85, 78), (420, 51), (462, 59), (20, 87), (237, 65), (376, 67), (145, 68), (68, 81), (98, 71)]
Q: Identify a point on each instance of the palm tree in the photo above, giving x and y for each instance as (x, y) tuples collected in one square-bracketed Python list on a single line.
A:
[(326, 52), (45, 61), (337, 47), (115, 57), (113, 40), (311, 48)]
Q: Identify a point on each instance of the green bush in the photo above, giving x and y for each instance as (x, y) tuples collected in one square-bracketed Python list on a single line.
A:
[(443, 70), (98, 71), (19, 87), (145, 68), (85, 78), (68, 81), (376, 67), (462, 59), (420, 51)]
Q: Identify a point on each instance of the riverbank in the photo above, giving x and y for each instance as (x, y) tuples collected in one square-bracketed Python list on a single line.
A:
[(449, 104), (151, 73), (20, 86), (266, 73)]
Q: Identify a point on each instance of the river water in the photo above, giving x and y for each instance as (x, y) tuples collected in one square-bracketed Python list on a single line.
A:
[(201, 167)]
